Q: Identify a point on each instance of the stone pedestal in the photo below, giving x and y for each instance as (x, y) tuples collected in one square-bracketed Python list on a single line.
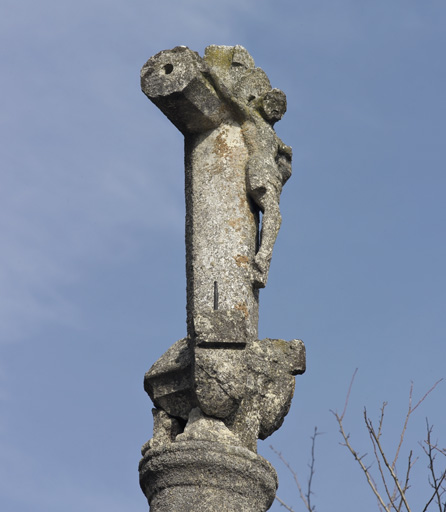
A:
[(202, 476)]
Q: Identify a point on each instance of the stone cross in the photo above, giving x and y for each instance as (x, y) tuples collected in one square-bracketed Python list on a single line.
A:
[(220, 389)]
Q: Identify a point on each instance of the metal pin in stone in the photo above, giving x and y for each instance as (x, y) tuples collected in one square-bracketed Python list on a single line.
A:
[(215, 296)]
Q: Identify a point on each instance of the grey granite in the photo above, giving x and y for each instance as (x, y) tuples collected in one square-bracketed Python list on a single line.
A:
[(220, 389), (200, 475)]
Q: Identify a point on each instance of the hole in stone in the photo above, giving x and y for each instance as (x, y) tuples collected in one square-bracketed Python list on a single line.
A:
[(168, 68), (251, 98)]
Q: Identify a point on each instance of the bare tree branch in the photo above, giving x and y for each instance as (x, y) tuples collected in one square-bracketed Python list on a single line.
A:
[(395, 489), (347, 398), (391, 470), (296, 480), (284, 504), (387, 468), (312, 471), (370, 428), (305, 497), (357, 457), (437, 482), (409, 412), (406, 482)]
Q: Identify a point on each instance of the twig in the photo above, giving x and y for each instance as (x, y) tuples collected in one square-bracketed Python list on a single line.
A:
[(305, 497), (312, 471), (437, 482), (391, 470), (370, 428), (387, 467), (284, 504), (296, 480), (359, 458), (409, 412), (347, 398), (410, 465)]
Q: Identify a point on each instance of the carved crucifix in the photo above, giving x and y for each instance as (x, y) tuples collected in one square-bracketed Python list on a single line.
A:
[(221, 383), (235, 169)]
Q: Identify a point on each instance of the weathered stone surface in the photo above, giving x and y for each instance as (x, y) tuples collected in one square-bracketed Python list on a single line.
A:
[(219, 328), (169, 381), (207, 476), (220, 380), (249, 390), (221, 389), (175, 80), (221, 231), (165, 430), (270, 369), (235, 168), (201, 427)]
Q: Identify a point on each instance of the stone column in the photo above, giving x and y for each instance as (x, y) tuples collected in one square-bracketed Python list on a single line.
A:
[(220, 389), (207, 476)]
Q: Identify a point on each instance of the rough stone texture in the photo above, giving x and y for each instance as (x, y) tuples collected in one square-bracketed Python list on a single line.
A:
[(176, 81), (221, 234), (220, 389), (272, 365), (249, 390), (235, 168), (168, 382), (207, 476)]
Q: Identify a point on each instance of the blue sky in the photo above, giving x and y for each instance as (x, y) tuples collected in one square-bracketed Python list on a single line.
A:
[(92, 282)]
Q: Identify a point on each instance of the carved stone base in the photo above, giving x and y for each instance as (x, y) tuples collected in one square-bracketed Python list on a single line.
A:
[(203, 476)]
